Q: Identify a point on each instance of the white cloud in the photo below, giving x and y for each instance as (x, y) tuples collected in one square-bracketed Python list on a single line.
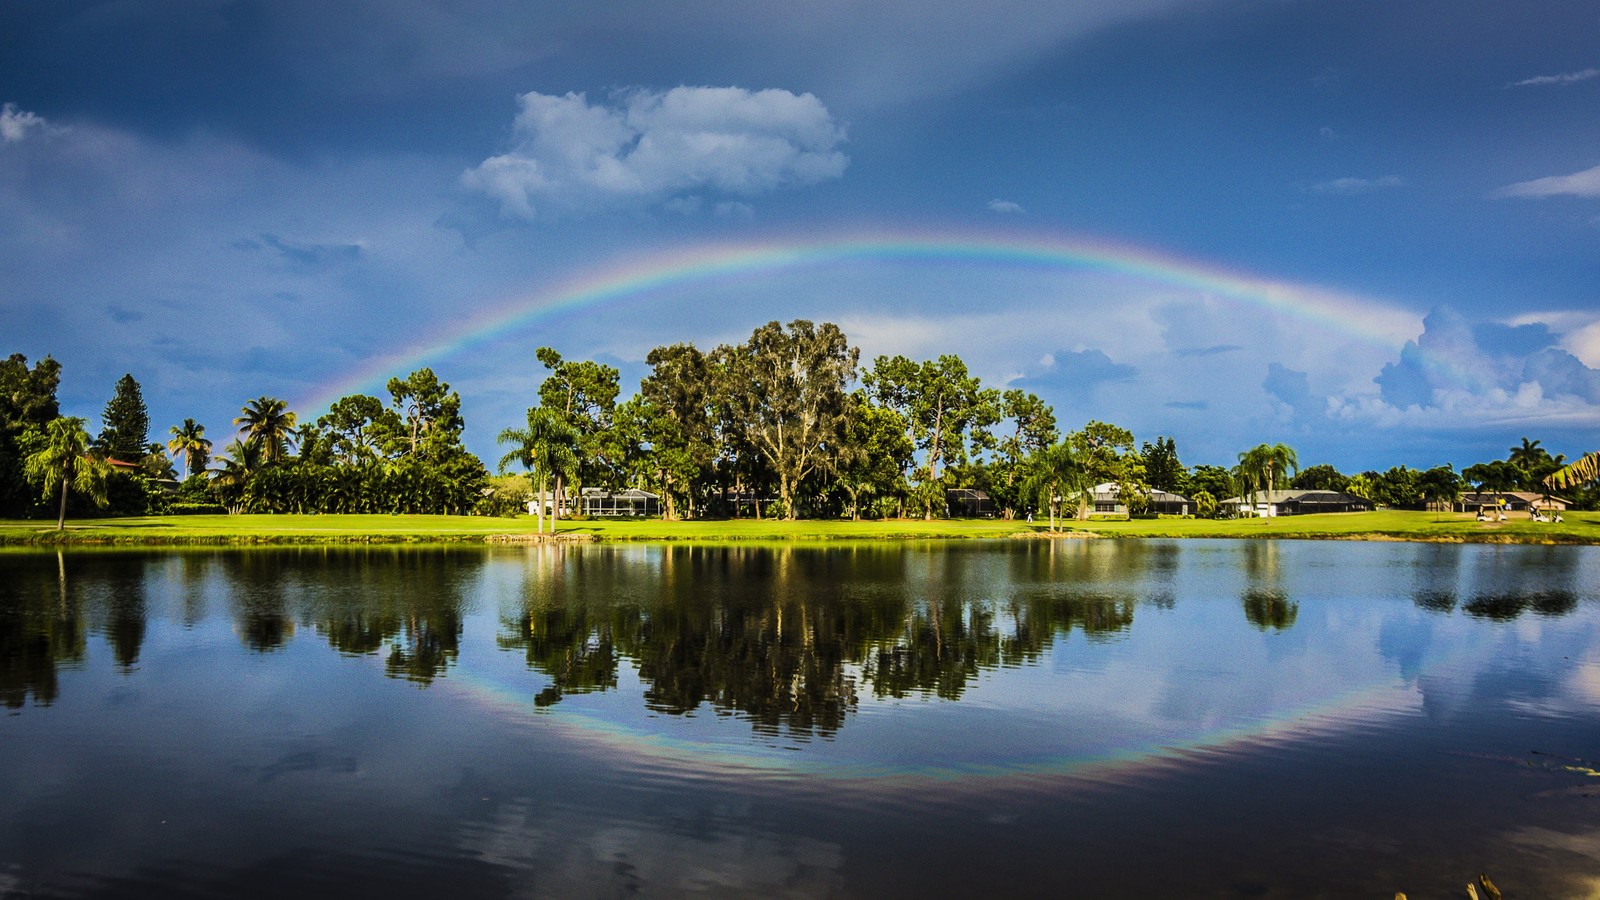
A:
[(16, 123), (1005, 206), (649, 146), (1486, 373), (1357, 185), (1566, 78), (1578, 331), (1578, 184)]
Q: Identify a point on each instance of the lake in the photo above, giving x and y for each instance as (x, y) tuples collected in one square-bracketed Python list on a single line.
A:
[(1105, 718)]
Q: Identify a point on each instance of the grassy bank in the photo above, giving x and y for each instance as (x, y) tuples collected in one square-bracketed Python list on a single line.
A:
[(1579, 528)]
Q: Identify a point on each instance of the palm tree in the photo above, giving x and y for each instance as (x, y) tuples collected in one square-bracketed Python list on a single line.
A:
[(189, 441), (1262, 467), (64, 461), (269, 421), (548, 448), (1056, 474), (1528, 455), (240, 460)]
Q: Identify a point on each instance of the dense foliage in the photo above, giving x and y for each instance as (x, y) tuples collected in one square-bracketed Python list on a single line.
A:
[(787, 424)]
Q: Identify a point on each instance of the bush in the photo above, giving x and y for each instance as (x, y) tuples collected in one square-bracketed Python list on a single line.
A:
[(183, 508)]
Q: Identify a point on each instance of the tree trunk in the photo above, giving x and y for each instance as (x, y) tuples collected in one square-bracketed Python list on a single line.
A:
[(61, 517)]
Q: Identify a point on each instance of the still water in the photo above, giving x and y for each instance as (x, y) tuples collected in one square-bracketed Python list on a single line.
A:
[(1083, 718)]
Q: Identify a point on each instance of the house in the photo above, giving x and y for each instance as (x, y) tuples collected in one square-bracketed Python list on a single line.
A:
[(165, 485), (967, 503), (1107, 499), (1295, 503), (632, 502), (1510, 501)]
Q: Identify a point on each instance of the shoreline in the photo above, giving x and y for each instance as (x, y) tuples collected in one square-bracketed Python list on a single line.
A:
[(1581, 529)]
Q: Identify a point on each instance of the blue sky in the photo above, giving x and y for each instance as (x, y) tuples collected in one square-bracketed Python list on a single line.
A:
[(230, 199)]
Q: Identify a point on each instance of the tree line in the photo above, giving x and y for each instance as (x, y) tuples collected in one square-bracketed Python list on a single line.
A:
[(787, 424)]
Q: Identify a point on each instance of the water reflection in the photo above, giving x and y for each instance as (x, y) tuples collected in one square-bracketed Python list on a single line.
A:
[(798, 720), (40, 631), (1505, 607), (790, 639)]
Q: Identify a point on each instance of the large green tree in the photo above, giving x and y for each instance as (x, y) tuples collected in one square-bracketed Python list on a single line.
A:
[(1107, 454), (1320, 477), (940, 400), (1161, 465), (431, 413), (1059, 475), (584, 392), (873, 454), (27, 405), (787, 394), (1033, 429), (359, 430), (126, 421), (64, 464), (676, 415)]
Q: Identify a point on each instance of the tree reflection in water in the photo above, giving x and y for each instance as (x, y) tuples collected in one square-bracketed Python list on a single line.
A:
[(1266, 603), (41, 629), (787, 638), (408, 601), (784, 637)]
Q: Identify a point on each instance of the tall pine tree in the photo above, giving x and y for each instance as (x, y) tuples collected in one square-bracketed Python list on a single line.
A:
[(126, 435)]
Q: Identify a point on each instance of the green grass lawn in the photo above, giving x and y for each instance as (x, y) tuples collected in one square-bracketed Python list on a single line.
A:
[(263, 529)]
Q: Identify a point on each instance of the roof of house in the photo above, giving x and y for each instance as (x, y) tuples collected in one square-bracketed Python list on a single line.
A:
[(1293, 496), (1110, 490)]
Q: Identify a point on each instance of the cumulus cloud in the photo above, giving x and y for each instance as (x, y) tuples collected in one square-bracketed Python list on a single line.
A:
[(1578, 184), (570, 155), (1566, 78), (16, 123), (1005, 206), (1457, 364), (1357, 185), (1291, 388)]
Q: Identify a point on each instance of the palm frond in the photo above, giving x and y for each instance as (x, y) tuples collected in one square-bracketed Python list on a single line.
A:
[(1582, 471)]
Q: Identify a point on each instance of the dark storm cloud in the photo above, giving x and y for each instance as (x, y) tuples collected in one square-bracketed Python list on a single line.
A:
[(1213, 350), (1291, 388), (1079, 369)]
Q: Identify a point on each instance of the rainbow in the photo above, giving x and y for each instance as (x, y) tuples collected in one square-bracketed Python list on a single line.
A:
[(638, 279)]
